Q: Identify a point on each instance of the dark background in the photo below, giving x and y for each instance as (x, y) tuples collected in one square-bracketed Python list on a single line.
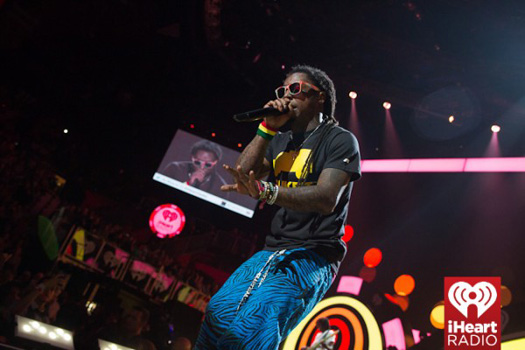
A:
[(123, 75)]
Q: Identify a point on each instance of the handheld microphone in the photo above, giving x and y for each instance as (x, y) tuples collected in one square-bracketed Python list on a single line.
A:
[(258, 114)]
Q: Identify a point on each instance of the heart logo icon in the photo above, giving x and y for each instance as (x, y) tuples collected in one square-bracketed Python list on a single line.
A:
[(462, 295), (169, 215)]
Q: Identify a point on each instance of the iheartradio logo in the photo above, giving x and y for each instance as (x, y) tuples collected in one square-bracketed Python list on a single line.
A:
[(462, 295), (480, 328)]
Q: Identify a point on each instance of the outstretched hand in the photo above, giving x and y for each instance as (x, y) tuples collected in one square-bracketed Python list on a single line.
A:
[(244, 183)]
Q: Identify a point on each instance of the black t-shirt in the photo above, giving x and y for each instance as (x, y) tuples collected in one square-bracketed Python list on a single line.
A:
[(293, 229)]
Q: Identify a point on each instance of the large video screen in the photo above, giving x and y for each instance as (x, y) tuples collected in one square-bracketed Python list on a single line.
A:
[(194, 165)]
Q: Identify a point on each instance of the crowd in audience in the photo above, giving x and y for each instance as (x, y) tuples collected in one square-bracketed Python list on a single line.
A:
[(31, 286)]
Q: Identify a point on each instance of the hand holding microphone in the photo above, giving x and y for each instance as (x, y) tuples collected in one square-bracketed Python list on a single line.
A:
[(275, 113)]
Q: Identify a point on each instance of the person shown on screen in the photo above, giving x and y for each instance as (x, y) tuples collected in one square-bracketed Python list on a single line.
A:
[(311, 172), (201, 171), (326, 337)]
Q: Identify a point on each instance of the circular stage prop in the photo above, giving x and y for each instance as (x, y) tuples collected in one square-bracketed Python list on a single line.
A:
[(167, 220), (356, 325)]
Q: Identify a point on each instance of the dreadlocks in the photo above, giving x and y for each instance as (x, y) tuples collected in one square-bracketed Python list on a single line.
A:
[(323, 81)]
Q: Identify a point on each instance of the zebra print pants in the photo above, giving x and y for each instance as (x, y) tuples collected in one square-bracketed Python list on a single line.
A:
[(264, 299)]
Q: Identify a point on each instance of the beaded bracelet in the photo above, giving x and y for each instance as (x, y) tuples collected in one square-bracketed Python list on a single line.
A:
[(267, 192)]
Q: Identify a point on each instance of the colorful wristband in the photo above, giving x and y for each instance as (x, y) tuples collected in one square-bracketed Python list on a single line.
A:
[(266, 132)]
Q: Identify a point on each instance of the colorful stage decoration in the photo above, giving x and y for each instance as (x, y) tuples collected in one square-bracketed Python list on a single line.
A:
[(356, 325), (404, 285), (437, 316), (506, 296), (402, 301), (368, 274), (43, 333), (349, 233), (445, 165), (93, 253), (373, 257), (167, 220), (394, 333), (514, 341)]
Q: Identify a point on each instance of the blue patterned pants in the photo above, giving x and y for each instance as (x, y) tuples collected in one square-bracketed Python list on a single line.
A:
[(264, 299)]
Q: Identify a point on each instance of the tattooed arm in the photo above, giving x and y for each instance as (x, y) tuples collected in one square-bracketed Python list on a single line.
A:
[(321, 198), (253, 157)]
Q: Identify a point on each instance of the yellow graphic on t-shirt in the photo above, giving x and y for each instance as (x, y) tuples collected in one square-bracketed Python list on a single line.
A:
[(290, 162)]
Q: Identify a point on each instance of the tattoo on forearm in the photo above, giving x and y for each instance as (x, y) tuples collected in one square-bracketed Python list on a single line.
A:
[(320, 198), (252, 158)]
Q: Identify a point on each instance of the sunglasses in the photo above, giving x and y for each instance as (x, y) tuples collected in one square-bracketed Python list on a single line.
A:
[(295, 88), (203, 165)]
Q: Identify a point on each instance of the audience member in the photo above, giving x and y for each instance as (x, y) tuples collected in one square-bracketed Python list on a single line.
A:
[(129, 331)]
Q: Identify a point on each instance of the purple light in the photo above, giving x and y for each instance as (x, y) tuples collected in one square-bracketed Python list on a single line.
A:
[(393, 145), (490, 165), (448, 165), (444, 165), (354, 124), (385, 165), (394, 335), (350, 284)]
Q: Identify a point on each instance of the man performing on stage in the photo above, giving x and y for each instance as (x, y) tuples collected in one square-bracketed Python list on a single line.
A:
[(311, 169)]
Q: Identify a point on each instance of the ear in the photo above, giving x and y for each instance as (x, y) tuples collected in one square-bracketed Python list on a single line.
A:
[(322, 97)]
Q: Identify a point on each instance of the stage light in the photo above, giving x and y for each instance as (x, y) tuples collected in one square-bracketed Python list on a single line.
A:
[(213, 134), (437, 317), (367, 274), (373, 257), (106, 345), (451, 119), (350, 285), (416, 334), (514, 344), (349, 233), (352, 95), (404, 285), (43, 333), (386, 105), (394, 334), (90, 307), (495, 128), (506, 296), (401, 301), (239, 145), (66, 131), (444, 165), (192, 126)]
